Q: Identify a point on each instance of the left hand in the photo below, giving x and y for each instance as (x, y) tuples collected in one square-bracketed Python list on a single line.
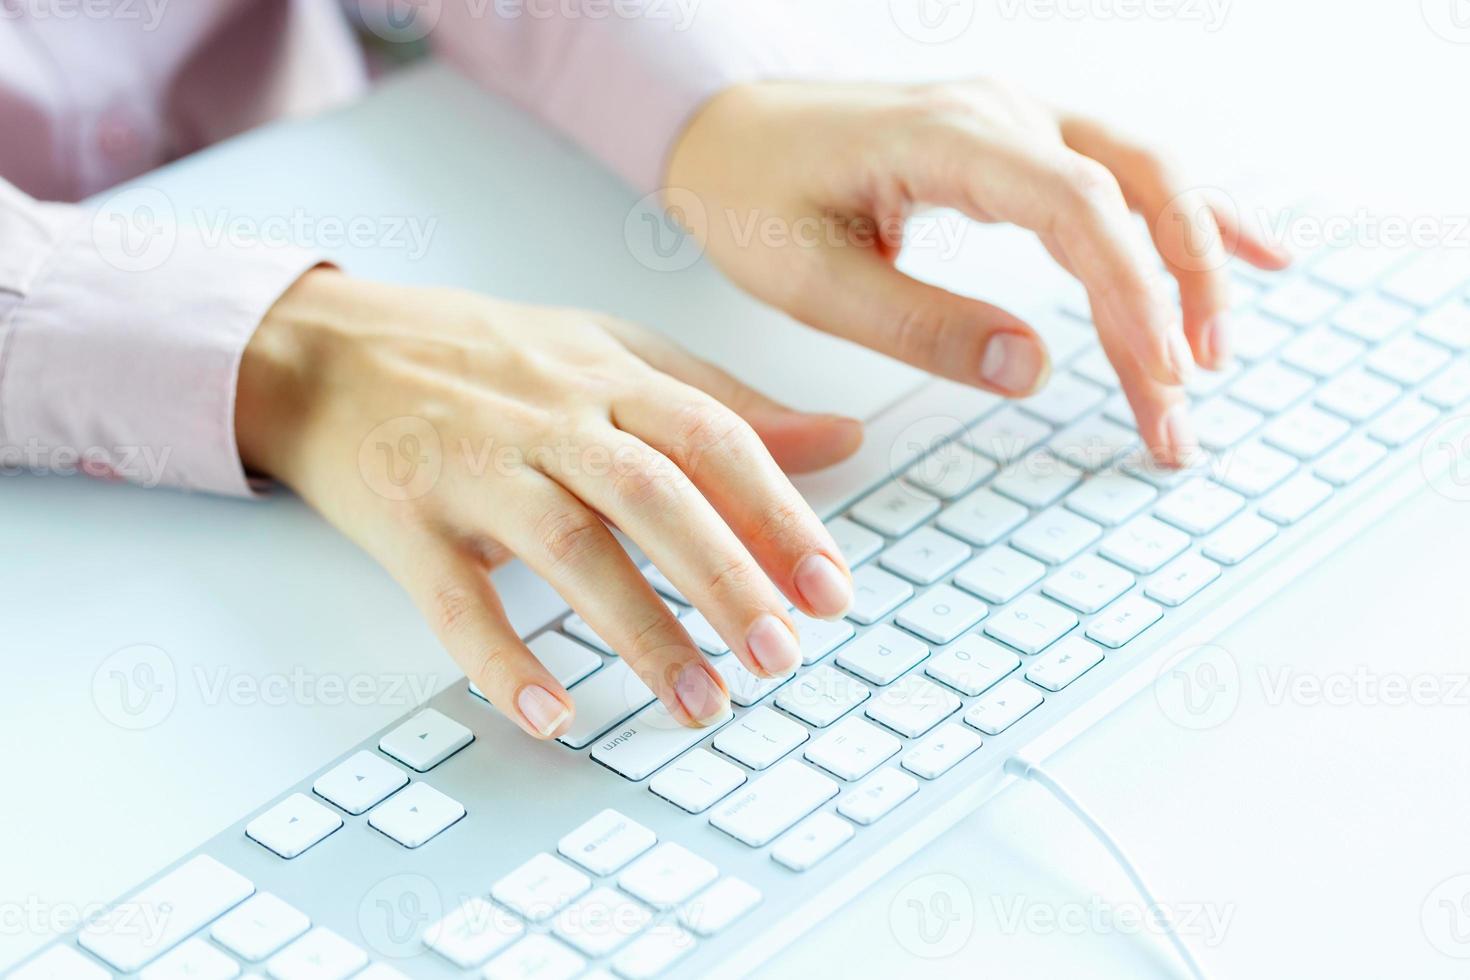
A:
[(866, 155)]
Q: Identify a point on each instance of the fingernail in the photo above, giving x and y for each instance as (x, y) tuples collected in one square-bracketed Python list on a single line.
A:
[(541, 709), (1013, 363), (700, 695), (1215, 337), (1179, 435), (823, 586), (773, 646)]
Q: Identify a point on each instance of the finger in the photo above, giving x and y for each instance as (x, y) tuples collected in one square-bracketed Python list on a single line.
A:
[(571, 548), (453, 592), (855, 293), (726, 462), (652, 501), (799, 441), (1249, 244), (1161, 412)]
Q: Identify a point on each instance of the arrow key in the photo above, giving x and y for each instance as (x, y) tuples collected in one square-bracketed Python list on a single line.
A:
[(360, 783), (425, 740), (293, 825), (416, 815)]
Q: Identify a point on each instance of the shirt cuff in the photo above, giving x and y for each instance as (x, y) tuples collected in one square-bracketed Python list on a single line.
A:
[(122, 357)]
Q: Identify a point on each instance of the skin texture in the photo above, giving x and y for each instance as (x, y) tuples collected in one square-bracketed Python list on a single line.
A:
[(446, 432)]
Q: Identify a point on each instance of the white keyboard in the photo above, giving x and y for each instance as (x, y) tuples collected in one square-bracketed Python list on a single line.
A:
[(1005, 578)]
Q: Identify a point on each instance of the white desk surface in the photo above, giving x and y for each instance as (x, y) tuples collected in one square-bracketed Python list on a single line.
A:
[(1316, 832)]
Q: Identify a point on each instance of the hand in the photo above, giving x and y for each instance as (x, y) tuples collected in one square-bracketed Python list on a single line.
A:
[(445, 432), (867, 155)]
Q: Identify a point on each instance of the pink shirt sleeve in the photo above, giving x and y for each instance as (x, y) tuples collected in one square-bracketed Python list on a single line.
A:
[(622, 78), (120, 342)]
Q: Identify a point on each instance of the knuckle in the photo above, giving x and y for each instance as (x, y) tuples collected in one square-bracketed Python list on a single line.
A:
[(452, 607), (1088, 187), (702, 427), (569, 536), (782, 525), (649, 479), (730, 577), (916, 335)]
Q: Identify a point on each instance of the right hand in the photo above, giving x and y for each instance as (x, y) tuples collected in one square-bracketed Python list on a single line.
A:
[(445, 432)]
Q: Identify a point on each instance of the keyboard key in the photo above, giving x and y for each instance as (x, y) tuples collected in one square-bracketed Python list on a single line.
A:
[(1220, 423), (1450, 388), (703, 634), (1372, 317), (1270, 387), (1349, 460), (1003, 706), (941, 614), (259, 926), (1007, 434), (1407, 360), (293, 825), (745, 688), (1088, 583), (1357, 395), (321, 954), (638, 747), (822, 695), (760, 737), (664, 587), (1254, 337), (1055, 535), (652, 953), (925, 555), (1064, 400), (809, 842), (416, 815), (1095, 367), (1295, 499), (1199, 506), (59, 963), (195, 893), (719, 906), (1064, 663), (819, 637), (1429, 278), (697, 780), (1124, 620), (912, 706), (535, 957), (1300, 302), (1253, 468), (881, 655), (941, 750), (1110, 497), (856, 542), (193, 959), (876, 593), (566, 659), (470, 934), (972, 664), (894, 509), (982, 518), (1305, 431), (1143, 545), (852, 748), (667, 876), (360, 783), (1181, 579), (425, 740), (1322, 352), (1037, 480), (877, 796), (999, 575), (605, 843), (1403, 421), (1354, 268), (603, 700), (770, 804), (1241, 537), (1209, 381), (601, 921), (1031, 623), (949, 471), (578, 627), (540, 888), (1448, 325)]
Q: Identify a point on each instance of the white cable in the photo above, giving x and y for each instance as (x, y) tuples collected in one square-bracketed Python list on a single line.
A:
[(1024, 768)]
